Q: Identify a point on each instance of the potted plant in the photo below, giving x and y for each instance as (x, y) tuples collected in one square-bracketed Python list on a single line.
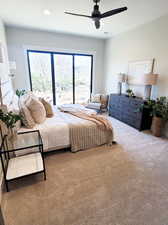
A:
[(9, 119), (159, 111), (20, 93), (130, 93)]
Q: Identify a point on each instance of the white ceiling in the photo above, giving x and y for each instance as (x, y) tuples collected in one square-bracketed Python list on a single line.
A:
[(29, 13)]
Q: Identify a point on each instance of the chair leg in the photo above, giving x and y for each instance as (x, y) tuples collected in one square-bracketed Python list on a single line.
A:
[(100, 111), (7, 186), (45, 175)]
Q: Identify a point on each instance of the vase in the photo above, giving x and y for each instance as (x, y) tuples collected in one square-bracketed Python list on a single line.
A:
[(12, 136), (157, 126)]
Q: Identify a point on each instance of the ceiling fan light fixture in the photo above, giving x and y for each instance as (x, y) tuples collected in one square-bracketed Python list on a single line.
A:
[(97, 24), (96, 15), (47, 12)]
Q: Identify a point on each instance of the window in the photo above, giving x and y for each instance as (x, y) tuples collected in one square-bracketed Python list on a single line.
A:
[(62, 78), (41, 78)]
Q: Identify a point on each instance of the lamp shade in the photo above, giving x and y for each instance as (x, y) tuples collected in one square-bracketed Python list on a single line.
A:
[(150, 79), (12, 65), (121, 77)]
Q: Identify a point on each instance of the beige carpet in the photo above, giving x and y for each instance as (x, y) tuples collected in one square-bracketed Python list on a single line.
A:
[(123, 185)]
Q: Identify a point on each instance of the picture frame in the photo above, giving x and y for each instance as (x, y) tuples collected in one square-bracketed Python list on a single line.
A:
[(136, 70)]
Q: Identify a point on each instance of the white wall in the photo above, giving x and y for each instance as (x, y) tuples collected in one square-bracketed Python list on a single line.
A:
[(4, 67), (4, 72), (146, 42), (19, 39)]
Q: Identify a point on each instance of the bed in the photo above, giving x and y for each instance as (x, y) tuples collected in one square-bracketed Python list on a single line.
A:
[(56, 131), (63, 129)]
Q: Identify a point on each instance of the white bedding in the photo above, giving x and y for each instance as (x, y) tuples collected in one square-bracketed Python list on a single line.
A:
[(55, 130)]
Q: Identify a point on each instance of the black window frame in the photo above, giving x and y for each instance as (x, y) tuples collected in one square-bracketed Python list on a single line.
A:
[(53, 75)]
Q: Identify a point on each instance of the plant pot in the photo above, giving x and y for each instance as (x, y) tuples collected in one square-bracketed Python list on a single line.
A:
[(157, 126)]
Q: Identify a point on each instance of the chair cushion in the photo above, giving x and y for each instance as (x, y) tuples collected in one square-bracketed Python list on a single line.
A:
[(37, 110), (94, 106), (96, 98)]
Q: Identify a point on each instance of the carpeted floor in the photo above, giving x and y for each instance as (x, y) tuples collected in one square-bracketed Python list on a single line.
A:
[(126, 184)]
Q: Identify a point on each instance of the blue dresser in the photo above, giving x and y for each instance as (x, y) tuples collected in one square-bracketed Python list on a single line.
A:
[(126, 109)]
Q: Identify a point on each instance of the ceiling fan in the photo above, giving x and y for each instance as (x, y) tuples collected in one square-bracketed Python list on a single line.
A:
[(96, 15)]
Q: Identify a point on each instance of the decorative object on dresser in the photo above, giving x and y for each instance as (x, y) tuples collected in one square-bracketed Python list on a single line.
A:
[(126, 110), (130, 93), (122, 78)]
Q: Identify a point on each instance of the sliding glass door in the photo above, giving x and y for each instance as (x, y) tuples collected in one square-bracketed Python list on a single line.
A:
[(62, 78), (83, 65), (41, 76)]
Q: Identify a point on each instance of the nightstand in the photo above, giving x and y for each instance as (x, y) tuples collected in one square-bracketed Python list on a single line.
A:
[(25, 158)]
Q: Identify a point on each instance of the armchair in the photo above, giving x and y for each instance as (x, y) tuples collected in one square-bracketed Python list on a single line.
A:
[(98, 102)]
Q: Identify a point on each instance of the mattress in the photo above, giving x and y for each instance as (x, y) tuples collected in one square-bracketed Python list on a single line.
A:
[(55, 131)]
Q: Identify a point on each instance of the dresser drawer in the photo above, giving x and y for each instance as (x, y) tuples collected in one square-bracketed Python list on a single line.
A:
[(136, 103), (127, 110), (114, 100), (115, 114), (115, 107)]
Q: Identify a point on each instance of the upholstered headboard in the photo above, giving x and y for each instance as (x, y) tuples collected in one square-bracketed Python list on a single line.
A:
[(6, 92)]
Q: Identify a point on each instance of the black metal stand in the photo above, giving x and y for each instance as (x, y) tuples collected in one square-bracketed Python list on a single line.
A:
[(5, 155)]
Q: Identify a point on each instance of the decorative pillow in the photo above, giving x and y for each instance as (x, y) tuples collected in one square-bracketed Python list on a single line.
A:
[(24, 98), (48, 107), (96, 98), (37, 110), (27, 119)]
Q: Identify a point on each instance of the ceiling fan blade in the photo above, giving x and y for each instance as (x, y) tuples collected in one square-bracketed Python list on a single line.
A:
[(113, 12), (74, 14)]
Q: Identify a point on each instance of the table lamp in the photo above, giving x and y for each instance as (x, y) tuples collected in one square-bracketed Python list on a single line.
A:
[(149, 80), (121, 78), (12, 68)]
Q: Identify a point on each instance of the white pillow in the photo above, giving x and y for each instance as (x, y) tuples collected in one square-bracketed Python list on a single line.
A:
[(37, 109), (26, 117)]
